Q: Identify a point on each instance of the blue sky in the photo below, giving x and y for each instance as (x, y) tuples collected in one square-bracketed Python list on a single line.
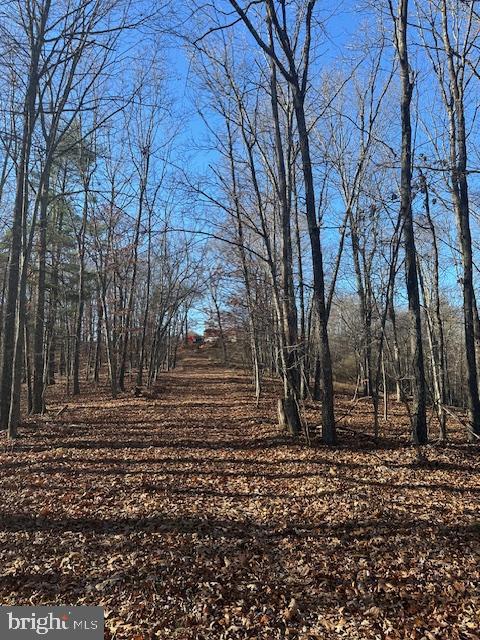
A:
[(345, 26)]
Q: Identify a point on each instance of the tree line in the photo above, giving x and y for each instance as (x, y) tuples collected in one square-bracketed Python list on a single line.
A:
[(94, 273), (346, 188), (332, 213)]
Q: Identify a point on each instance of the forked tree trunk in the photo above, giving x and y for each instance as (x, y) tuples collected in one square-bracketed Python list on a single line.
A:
[(288, 319), (298, 81)]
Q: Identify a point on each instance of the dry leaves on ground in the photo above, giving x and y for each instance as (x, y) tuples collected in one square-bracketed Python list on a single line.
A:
[(188, 516)]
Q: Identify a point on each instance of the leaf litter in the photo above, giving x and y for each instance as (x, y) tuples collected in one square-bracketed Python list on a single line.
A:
[(189, 516)]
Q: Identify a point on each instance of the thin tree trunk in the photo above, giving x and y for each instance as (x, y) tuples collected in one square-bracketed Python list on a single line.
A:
[(98, 345), (38, 401), (81, 293)]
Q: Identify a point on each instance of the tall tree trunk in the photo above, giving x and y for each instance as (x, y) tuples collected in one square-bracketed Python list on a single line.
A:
[(288, 319), (81, 291), (20, 327), (133, 282), (141, 361), (10, 330), (38, 402), (98, 341), (418, 412), (328, 415), (303, 353), (110, 343), (298, 82), (435, 321), (459, 189), (53, 305)]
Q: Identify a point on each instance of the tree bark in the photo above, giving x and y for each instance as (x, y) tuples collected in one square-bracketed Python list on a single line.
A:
[(418, 411), (20, 213), (460, 196)]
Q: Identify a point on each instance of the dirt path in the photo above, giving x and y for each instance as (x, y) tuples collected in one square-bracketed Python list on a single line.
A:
[(188, 516)]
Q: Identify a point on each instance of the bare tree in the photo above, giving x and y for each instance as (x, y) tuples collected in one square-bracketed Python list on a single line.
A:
[(294, 68), (450, 35), (418, 411)]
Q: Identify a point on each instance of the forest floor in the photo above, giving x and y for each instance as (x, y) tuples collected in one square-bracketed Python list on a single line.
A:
[(187, 515)]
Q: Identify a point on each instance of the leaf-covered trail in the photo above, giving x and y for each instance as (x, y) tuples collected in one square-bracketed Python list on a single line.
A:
[(188, 516)]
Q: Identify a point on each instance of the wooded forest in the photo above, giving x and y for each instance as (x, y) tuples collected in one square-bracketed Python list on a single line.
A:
[(239, 329)]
